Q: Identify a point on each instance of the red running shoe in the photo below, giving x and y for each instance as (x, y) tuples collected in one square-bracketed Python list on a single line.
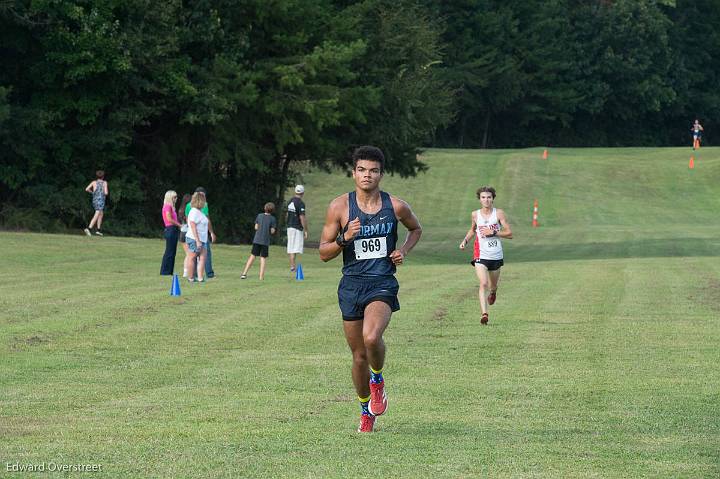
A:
[(378, 398), (367, 422), (484, 319), (492, 297)]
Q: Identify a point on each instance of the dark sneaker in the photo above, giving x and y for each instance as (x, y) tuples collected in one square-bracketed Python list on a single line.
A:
[(367, 422), (492, 297), (484, 319), (378, 399)]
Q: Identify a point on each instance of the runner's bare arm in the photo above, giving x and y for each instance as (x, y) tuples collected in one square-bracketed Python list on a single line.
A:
[(303, 222), (505, 232), (329, 248), (470, 232), (405, 215)]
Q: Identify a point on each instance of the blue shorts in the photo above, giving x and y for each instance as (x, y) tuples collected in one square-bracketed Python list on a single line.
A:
[(355, 293), (193, 245)]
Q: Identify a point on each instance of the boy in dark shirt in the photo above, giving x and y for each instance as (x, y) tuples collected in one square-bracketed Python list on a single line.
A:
[(265, 226)]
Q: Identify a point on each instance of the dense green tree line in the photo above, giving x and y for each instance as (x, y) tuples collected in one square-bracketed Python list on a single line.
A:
[(579, 73), (231, 94)]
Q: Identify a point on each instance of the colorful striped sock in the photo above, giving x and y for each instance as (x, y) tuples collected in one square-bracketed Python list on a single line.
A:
[(376, 376), (364, 405)]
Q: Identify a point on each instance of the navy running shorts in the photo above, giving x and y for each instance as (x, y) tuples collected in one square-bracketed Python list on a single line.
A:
[(490, 264), (355, 293)]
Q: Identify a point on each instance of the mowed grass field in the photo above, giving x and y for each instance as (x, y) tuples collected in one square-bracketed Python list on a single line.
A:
[(600, 360)]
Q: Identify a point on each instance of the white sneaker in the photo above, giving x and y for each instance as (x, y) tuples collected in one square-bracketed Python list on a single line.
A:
[(98, 233), (87, 232)]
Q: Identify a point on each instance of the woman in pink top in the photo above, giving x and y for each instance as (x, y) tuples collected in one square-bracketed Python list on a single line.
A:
[(172, 231)]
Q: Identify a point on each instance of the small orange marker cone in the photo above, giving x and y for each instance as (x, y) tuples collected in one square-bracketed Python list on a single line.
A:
[(535, 223), (691, 165), (545, 154)]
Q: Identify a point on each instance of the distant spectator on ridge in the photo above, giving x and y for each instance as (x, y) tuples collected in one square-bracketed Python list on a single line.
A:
[(99, 190)]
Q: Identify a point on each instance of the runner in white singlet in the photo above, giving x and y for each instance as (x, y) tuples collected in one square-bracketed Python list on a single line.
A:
[(488, 226)]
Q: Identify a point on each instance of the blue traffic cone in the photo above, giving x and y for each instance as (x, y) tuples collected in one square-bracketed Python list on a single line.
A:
[(298, 273), (175, 288)]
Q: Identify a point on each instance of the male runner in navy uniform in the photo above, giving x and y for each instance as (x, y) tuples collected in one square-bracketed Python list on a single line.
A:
[(362, 225)]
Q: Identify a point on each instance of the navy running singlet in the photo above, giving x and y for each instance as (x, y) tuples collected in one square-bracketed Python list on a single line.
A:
[(367, 254)]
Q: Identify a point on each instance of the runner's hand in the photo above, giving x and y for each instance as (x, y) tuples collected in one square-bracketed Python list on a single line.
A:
[(462, 244), (353, 228), (487, 231), (397, 257)]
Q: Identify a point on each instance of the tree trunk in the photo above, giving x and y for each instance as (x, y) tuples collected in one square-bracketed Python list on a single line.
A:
[(486, 133), (461, 136), (285, 167)]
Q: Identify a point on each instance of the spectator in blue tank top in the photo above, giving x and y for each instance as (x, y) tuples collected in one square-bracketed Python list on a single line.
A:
[(99, 190), (362, 225)]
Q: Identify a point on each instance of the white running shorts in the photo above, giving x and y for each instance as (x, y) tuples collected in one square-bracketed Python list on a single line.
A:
[(295, 241)]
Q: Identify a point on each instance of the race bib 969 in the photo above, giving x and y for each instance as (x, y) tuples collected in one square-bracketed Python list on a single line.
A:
[(370, 248)]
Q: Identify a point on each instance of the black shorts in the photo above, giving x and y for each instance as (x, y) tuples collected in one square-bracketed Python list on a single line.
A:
[(490, 264), (260, 250), (182, 237), (355, 293)]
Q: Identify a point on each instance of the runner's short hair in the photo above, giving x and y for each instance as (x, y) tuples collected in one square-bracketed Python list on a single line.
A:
[(485, 189), (269, 207), (370, 153), (100, 174)]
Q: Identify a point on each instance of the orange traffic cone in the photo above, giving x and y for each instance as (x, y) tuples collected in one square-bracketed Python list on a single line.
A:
[(535, 214), (545, 154), (691, 165)]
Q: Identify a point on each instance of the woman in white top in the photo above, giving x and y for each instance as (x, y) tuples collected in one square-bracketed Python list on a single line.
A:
[(197, 237), (489, 224)]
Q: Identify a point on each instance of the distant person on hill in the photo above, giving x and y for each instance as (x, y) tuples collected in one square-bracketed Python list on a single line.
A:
[(488, 225), (197, 238), (697, 131), (296, 225), (182, 217), (265, 226), (211, 238), (362, 225), (171, 233), (99, 190)]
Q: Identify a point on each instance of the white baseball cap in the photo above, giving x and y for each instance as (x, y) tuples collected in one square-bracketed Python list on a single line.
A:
[(299, 189)]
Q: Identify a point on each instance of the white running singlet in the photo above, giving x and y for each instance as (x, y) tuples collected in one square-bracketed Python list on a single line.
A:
[(487, 247)]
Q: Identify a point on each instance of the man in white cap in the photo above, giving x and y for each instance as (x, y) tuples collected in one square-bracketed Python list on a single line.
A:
[(296, 225)]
